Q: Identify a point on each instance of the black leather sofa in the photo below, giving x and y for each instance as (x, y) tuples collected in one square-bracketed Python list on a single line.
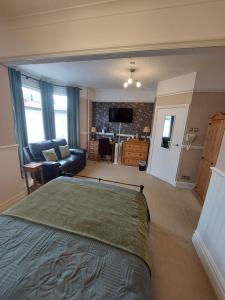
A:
[(68, 166)]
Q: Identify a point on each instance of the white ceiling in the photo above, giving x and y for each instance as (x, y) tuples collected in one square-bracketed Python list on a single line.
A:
[(111, 73)]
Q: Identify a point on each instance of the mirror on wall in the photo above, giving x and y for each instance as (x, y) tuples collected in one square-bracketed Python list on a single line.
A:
[(167, 132)]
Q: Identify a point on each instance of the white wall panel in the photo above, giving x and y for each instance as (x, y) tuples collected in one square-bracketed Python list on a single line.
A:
[(209, 237)]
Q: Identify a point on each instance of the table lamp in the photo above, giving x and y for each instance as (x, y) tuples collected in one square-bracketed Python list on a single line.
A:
[(146, 130), (93, 133)]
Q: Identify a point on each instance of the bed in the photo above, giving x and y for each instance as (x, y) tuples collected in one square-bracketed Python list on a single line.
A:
[(76, 239)]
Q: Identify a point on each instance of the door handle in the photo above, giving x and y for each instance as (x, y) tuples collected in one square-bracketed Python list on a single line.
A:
[(175, 145)]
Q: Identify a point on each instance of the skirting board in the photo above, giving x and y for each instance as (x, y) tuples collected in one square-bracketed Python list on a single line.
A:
[(209, 265), (12, 200), (19, 196), (185, 185)]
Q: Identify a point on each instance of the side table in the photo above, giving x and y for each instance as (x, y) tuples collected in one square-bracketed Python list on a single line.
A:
[(33, 168)]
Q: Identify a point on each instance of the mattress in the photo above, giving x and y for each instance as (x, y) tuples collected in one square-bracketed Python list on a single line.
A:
[(75, 239), (39, 262)]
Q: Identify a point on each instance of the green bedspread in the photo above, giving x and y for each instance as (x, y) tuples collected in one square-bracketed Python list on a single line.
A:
[(116, 216)]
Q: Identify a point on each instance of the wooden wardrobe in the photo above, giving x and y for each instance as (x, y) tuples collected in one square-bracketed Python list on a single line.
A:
[(210, 153)]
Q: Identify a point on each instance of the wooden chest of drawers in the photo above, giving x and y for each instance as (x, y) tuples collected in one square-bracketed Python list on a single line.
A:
[(133, 151), (93, 150)]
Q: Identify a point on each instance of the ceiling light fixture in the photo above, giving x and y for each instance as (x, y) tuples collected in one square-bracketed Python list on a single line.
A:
[(131, 80)]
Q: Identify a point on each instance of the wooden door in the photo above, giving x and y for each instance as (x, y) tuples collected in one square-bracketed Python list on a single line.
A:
[(210, 153)]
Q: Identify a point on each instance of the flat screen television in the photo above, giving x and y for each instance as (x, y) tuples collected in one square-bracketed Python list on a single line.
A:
[(121, 115)]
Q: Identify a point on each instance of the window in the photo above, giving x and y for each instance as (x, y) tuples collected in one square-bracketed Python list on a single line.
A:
[(167, 131), (60, 107), (33, 112)]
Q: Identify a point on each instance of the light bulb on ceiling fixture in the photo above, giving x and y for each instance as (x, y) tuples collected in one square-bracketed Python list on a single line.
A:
[(130, 80), (138, 84)]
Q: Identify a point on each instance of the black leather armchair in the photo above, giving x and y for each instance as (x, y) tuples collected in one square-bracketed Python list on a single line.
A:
[(67, 166)]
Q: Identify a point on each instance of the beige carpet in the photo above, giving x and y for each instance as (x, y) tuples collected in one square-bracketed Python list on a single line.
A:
[(177, 273)]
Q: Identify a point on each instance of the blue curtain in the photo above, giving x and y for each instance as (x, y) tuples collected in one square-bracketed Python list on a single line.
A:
[(48, 109), (73, 116), (18, 111)]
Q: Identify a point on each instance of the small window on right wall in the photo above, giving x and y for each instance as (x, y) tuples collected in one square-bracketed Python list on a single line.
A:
[(167, 132)]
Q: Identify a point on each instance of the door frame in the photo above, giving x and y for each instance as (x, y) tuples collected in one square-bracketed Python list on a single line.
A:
[(157, 108)]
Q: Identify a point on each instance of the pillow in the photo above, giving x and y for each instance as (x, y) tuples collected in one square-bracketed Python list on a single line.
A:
[(64, 150), (50, 154)]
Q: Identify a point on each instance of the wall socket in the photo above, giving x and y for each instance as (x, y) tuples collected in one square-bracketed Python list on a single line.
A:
[(185, 177), (193, 129)]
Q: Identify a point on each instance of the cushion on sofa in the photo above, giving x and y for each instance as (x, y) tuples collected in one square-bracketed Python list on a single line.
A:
[(50, 155), (37, 148), (56, 143), (64, 151)]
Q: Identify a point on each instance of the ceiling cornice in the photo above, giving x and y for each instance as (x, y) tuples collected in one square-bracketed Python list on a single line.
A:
[(35, 76), (53, 11), (101, 53)]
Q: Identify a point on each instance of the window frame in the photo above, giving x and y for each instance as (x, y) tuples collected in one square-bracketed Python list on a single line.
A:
[(61, 91), (36, 89)]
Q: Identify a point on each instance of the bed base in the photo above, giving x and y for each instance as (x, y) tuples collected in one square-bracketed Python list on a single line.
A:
[(141, 187)]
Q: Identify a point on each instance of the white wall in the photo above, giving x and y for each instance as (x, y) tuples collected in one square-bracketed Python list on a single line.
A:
[(11, 186), (209, 237), (116, 26), (7, 134), (181, 84), (125, 95), (210, 79), (221, 158)]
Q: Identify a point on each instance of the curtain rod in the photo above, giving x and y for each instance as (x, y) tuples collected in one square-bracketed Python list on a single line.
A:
[(29, 76)]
